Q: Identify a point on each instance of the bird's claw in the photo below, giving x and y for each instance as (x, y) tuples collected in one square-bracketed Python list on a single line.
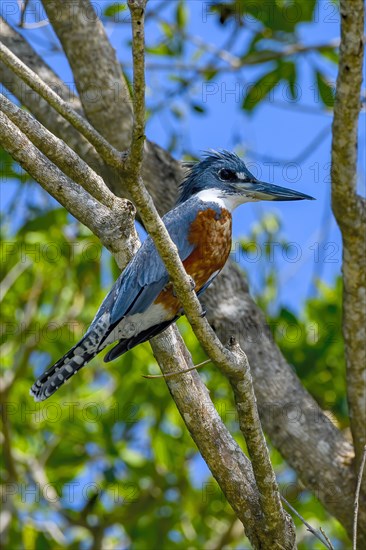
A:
[(192, 286), (192, 283)]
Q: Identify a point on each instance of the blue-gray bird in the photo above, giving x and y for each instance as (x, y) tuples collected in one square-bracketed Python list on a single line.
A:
[(141, 303)]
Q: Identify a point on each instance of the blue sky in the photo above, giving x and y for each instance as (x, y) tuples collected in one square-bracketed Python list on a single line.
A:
[(272, 139)]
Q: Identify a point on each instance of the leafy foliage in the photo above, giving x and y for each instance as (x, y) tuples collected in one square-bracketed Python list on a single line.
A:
[(260, 47), (109, 454), (314, 345), (310, 340), (279, 17)]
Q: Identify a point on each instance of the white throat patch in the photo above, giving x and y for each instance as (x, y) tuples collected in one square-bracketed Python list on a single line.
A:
[(229, 202)]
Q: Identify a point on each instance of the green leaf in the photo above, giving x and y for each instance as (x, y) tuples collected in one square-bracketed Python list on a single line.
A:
[(261, 89), (161, 49), (289, 73), (330, 53), (6, 165), (167, 29), (198, 108), (113, 9), (10, 169), (177, 112), (132, 458), (181, 15), (325, 90), (209, 74), (254, 56), (279, 16), (56, 217), (161, 450), (307, 9)]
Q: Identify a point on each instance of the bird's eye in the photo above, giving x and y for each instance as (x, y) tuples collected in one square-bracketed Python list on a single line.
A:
[(227, 175)]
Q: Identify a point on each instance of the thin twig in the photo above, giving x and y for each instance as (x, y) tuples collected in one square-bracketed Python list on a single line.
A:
[(357, 496), (311, 529), (233, 61), (159, 233), (326, 538), (171, 374), (23, 9), (137, 10), (12, 276)]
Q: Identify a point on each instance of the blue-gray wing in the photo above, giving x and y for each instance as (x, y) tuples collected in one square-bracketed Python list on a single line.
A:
[(145, 276)]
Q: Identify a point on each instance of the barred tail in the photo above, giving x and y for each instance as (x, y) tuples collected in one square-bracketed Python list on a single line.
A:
[(69, 364)]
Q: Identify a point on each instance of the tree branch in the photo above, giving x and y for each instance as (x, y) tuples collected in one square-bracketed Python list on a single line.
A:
[(114, 226), (350, 212), (101, 87), (109, 154), (357, 498), (306, 438), (250, 425), (158, 166), (231, 468), (228, 464), (280, 530), (39, 107), (59, 153)]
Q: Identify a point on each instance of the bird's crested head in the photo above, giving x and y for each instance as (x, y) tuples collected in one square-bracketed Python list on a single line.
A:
[(225, 176)]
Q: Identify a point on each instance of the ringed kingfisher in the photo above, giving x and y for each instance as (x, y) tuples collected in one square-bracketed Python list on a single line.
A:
[(142, 303)]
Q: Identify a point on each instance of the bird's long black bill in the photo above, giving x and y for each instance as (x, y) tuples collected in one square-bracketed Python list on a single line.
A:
[(269, 192)]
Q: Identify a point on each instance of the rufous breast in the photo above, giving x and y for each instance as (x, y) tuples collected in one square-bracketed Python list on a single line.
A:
[(210, 233)]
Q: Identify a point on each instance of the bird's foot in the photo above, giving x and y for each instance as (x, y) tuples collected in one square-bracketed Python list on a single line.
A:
[(192, 283)]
